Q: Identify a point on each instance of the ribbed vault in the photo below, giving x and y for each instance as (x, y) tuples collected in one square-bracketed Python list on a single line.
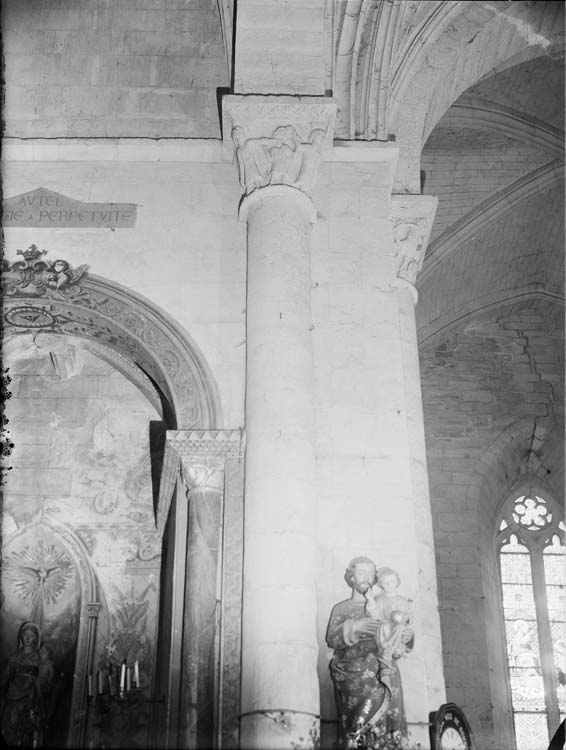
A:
[(400, 65)]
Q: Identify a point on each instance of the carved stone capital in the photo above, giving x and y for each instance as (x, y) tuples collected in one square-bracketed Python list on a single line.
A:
[(197, 476), (412, 217), (199, 457), (277, 140), (93, 609)]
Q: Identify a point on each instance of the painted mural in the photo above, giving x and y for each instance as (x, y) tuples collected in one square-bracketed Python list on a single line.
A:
[(41, 585), (81, 555)]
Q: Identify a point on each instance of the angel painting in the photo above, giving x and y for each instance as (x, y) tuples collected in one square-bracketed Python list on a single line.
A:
[(59, 275)]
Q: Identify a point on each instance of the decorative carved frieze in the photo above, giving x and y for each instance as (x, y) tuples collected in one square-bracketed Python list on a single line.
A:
[(411, 217), (101, 311), (278, 140)]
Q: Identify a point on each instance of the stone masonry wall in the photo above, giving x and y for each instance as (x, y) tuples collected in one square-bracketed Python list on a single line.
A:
[(186, 252), (468, 166), (103, 69), (486, 390)]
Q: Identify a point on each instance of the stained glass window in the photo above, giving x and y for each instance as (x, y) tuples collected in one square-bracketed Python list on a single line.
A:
[(532, 560), (554, 557)]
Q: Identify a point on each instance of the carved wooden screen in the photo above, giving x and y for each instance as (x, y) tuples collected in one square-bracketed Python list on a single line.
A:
[(532, 557)]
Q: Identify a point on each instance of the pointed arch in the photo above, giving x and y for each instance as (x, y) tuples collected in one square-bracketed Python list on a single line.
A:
[(531, 552)]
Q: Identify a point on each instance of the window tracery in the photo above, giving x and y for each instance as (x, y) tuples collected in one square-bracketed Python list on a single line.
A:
[(532, 562)]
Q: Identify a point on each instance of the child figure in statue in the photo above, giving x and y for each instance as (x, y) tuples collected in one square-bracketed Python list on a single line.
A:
[(384, 603), (393, 637)]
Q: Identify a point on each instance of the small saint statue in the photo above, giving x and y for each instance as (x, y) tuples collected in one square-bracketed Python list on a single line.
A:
[(25, 685), (369, 632)]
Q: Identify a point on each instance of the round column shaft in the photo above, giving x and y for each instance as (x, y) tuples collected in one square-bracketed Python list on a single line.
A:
[(201, 617), (429, 620), (280, 695)]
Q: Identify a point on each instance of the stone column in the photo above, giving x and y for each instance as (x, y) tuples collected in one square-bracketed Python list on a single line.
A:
[(92, 613), (201, 456), (278, 143), (204, 484), (412, 218)]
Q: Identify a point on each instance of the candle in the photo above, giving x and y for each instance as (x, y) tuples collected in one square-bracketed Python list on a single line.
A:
[(99, 682), (136, 674), (110, 685), (128, 679), (123, 677), (89, 685)]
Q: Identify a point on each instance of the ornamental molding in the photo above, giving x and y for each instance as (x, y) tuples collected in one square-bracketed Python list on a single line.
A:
[(277, 140), (212, 447), (378, 46), (52, 297), (199, 458), (35, 277)]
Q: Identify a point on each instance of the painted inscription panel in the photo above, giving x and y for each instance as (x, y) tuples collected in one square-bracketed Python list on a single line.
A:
[(51, 210)]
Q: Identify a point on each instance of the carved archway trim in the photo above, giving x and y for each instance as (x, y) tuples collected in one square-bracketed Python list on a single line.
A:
[(116, 317)]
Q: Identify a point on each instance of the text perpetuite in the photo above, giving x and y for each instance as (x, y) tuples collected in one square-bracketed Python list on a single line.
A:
[(45, 208)]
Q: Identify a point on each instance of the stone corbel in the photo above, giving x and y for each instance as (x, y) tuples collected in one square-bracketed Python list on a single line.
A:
[(412, 217), (277, 140)]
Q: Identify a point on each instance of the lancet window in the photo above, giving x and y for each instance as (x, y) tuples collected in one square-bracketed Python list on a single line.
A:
[(532, 559)]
